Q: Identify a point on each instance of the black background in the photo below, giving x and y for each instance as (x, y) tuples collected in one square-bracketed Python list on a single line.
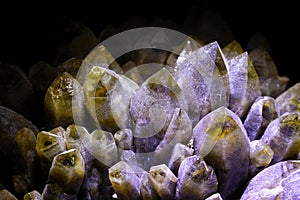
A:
[(28, 35)]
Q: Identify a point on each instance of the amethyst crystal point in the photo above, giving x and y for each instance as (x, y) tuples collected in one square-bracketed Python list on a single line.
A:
[(261, 156), (283, 136), (203, 79), (222, 141), (163, 181), (232, 50), (262, 112), (244, 84), (279, 181), (179, 153), (103, 147), (152, 108), (124, 181), (67, 171), (107, 95), (271, 84), (147, 190), (196, 180), (289, 101), (124, 139), (182, 52), (58, 101), (178, 131)]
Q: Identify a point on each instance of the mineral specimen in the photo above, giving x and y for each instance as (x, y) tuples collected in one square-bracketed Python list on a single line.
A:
[(107, 97), (48, 145), (283, 136), (244, 84), (261, 156), (279, 181), (152, 108), (232, 50), (67, 171), (204, 81), (58, 101), (289, 101), (124, 139), (147, 190), (215, 196), (196, 180), (263, 111), (222, 141), (163, 181), (179, 153), (124, 181)]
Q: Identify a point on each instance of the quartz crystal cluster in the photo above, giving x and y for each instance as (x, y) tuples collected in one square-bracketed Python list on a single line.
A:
[(212, 122)]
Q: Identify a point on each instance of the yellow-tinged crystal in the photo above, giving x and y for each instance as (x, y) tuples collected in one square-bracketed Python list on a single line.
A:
[(67, 171)]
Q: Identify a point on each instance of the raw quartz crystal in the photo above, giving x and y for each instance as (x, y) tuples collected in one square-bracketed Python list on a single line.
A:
[(204, 81), (182, 52), (215, 196), (261, 156), (244, 84), (103, 147), (271, 84), (147, 190), (107, 95), (124, 181), (283, 136), (289, 101), (67, 171), (33, 195), (279, 181), (71, 66), (263, 111), (163, 181), (179, 153), (58, 101), (151, 109), (179, 131), (196, 180), (232, 50), (222, 141)]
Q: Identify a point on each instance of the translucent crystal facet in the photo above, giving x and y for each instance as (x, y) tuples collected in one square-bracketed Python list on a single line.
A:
[(262, 112), (222, 141), (289, 101), (244, 84), (204, 81), (283, 136), (196, 180)]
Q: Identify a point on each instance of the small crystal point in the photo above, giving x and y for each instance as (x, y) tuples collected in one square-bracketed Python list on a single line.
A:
[(163, 180), (262, 112), (196, 180), (124, 181)]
